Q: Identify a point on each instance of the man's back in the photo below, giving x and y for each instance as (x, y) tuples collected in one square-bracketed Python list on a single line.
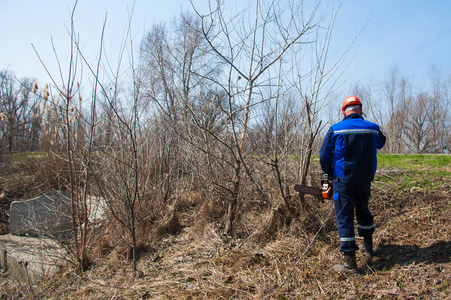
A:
[(354, 143)]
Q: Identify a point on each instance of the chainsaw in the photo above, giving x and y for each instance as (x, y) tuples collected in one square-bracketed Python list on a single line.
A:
[(325, 192)]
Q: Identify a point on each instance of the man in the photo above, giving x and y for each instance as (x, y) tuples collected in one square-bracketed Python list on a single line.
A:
[(348, 155)]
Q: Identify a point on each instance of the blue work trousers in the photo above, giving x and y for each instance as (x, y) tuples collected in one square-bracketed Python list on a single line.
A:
[(347, 197)]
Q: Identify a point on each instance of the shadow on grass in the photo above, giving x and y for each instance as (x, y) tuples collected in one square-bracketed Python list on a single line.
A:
[(389, 255)]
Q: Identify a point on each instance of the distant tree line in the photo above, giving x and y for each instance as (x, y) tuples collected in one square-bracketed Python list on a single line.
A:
[(414, 121)]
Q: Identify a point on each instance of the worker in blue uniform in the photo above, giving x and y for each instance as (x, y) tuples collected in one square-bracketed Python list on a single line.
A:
[(348, 155)]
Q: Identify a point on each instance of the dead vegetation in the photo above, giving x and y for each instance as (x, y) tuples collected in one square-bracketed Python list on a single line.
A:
[(186, 256), (196, 170)]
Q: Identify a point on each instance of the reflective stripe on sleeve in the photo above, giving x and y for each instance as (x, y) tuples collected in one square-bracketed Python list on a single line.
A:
[(365, 227)]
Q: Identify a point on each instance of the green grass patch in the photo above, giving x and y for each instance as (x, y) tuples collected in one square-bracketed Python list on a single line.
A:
[(21, 156), (420, 171), (444, 286), (413, 161)]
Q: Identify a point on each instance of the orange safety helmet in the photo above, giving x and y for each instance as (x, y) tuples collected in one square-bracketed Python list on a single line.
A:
[(351, 100)]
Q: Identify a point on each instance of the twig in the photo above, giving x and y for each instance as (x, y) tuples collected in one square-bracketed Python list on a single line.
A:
[(101, 284), (253, 233), (387, 176), (308, 247), (371, 269), (320, 287)]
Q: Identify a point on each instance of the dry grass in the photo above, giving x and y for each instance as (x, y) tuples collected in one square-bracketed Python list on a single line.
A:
[(413, 262), (187, 257)]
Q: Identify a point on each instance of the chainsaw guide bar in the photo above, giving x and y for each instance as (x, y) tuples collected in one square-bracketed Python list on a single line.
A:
[(307, 190)]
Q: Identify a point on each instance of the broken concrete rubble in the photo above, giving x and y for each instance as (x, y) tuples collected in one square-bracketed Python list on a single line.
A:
[(47, 215)]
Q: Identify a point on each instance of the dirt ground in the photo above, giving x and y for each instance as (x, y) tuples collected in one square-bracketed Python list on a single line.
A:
[(413, 259)]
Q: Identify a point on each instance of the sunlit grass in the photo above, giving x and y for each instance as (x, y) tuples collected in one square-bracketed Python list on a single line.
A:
[(21, 156), (413, 161), (419, 171)]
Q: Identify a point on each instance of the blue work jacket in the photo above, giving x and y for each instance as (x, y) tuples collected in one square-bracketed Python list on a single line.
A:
[(349, 150)]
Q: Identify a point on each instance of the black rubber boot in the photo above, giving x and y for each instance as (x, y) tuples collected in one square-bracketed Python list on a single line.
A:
[(350, 265), (367, 248)]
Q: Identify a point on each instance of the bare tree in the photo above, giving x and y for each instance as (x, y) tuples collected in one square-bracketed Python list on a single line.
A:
[(397, 93), (418, 128), (251, 53), (16, 105), (66, 122), (373, 109), (122, 172), (439, 113), (188, 108)]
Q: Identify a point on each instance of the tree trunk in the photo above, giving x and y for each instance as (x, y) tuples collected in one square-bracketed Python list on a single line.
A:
[(233, 204)]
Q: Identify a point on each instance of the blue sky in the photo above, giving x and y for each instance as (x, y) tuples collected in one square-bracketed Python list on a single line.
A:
[(413, 34)]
